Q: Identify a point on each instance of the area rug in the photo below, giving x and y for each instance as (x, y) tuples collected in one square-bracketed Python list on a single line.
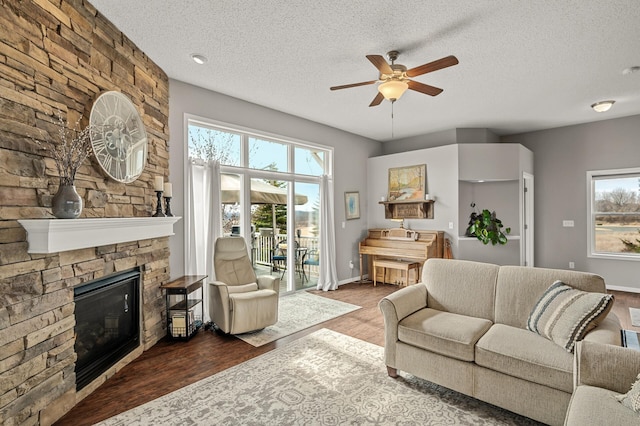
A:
[(634, 313), (325, 378), (296, 312)]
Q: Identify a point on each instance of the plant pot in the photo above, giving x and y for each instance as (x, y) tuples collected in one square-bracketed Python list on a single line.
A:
[(66, 204)]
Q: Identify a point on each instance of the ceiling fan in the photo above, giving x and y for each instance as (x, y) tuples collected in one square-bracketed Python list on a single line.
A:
[(394, 78)]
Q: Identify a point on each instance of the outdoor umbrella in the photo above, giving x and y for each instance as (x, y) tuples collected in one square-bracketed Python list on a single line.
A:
[(261, 192)]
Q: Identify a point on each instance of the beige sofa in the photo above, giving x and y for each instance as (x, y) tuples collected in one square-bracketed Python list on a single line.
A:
[(603, 372), (464, 327)]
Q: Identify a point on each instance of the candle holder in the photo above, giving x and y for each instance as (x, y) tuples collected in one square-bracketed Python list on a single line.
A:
[(159, 205), (167, 210)]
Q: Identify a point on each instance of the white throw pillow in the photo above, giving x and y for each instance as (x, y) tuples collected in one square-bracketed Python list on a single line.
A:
[(631, 399)]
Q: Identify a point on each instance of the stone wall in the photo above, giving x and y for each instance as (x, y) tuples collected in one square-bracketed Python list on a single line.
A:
[(59, 55)]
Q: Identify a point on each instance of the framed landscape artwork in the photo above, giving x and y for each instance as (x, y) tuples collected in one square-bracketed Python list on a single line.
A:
[(352, 205), (407, 183)]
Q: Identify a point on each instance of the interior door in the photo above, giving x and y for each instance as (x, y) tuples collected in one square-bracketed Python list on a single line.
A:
[(527, 253)]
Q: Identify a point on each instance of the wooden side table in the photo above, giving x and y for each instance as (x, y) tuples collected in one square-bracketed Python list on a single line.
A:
[(401, 265), (182, 320)]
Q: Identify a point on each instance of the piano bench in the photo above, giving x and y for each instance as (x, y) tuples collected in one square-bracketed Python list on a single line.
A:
[(401, 265)]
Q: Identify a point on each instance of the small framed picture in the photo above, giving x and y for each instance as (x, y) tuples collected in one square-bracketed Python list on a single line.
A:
[(352, 204)]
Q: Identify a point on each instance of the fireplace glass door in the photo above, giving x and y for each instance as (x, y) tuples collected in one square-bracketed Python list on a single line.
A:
[(107, 323)]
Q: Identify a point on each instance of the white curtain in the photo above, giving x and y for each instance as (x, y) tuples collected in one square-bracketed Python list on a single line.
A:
[(204, 221), (328, 277)]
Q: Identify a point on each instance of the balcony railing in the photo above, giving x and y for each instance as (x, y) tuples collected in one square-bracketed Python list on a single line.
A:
[(264, 246)]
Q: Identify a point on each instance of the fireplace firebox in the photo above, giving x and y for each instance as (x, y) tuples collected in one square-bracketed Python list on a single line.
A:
[(107, 327)]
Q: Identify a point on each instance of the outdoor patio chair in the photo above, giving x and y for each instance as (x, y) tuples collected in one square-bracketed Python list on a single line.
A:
[(279, 257), (310, 258)]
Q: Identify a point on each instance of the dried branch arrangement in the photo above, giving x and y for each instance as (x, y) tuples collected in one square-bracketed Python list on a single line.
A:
[(69, 149)]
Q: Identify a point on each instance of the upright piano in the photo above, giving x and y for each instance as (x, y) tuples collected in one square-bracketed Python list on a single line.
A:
[(400, 244)]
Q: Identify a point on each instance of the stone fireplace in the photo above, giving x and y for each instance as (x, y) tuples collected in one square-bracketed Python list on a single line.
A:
[(60, 55)]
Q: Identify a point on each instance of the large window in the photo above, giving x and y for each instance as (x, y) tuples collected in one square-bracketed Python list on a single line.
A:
[(614, 213), (270, 189)]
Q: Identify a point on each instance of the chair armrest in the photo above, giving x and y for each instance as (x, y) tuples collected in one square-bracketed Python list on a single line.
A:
[(394, 308), (404, 302), (605, 366), (219, 288), (268, 282), (219, 305), (608, 331)]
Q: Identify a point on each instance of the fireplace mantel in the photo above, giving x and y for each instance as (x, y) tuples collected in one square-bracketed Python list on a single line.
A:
[(56, 235)]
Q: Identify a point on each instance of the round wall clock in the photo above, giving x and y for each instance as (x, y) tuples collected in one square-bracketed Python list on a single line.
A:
[(118, 137)]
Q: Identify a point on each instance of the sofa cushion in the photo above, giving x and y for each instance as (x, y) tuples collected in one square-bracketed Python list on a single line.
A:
[(598, 406), (253, 299), (564, 314), (526, 355), (444, 333), (461, 286), (518, 289)]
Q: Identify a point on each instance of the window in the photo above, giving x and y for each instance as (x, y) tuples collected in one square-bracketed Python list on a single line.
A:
[(267, 155), (280, 178), (614, 213), (309, 161), (209, 143)]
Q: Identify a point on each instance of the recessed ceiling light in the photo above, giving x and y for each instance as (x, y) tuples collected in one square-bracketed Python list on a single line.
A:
[(198, 59), (602, 106)]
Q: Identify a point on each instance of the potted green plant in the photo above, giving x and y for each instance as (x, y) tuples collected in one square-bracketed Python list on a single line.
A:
[(486, 227)]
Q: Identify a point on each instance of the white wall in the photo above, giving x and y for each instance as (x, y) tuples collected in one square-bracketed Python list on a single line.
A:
[(562, 158), (350, 160), (446, 165), (442, 182)]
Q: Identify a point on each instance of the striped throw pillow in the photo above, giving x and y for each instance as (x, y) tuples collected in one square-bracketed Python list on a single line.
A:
[(565, 315)]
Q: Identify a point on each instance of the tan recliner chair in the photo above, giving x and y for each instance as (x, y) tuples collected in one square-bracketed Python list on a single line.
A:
[(239, 301)]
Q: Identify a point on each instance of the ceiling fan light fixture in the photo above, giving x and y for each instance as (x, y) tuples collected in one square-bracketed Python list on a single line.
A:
[(602, 106), (392, 90)]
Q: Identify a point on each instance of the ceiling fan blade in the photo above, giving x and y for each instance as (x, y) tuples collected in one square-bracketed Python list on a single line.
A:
[(346, 86), (424, 88), (376, 101), (433, 66), (380, 63)]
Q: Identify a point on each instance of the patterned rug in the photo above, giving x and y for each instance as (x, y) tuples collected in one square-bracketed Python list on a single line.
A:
[(325, 378), (296, 312)]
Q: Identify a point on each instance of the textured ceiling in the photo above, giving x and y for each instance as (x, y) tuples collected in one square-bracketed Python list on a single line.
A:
[(524, 65)]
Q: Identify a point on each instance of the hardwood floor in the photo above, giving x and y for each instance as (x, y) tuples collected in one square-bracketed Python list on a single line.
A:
[(170, 365), (624, 301)]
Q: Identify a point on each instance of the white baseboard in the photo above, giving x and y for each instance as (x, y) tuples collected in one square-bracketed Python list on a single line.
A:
[(621, 288), (352, 279)]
